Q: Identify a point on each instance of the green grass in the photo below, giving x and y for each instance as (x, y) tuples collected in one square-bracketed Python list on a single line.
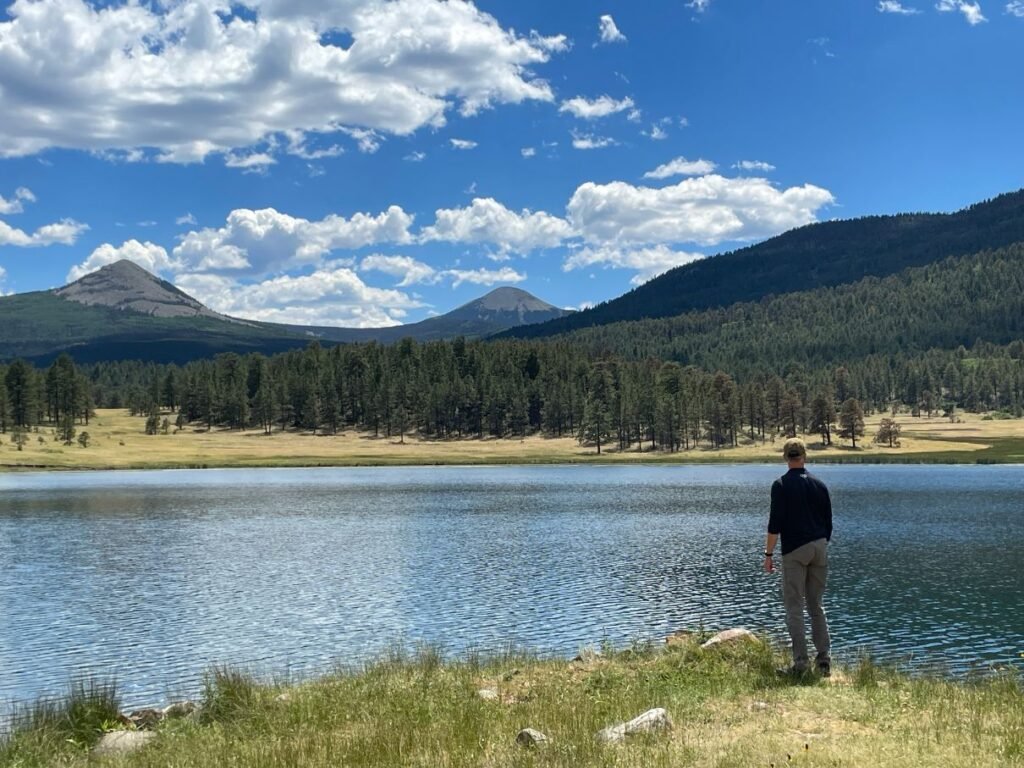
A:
[(728, 706)]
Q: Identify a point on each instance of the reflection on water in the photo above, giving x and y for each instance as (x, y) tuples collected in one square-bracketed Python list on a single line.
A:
[(158, 575)]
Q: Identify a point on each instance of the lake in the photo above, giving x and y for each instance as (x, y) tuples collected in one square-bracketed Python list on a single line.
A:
[(156, 576)]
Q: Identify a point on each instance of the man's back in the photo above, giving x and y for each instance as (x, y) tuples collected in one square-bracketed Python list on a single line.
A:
[(801, 509)]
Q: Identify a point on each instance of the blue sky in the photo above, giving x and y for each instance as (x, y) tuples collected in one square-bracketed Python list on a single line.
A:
[(369, 162)]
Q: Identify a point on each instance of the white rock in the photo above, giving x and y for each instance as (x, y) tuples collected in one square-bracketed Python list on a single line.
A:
[(122, 742), (179, 709), (728, 636), (488, 694), (529, 737), (649, 722)]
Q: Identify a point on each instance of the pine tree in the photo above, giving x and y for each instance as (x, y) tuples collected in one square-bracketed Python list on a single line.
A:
[(851, 420)]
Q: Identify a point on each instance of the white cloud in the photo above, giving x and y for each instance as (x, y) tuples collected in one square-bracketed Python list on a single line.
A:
[(1016, 8), (754, 165), (265, 241), (971, 11), (254, 162), (188, 219), (488, 221), (367, 140), (416, 157), (63, 232), (893, 6), (681, 167), (463, 144), (657, 133), (609, 31), (407, 268), (589, 141), (331, 295), (634, 116), (591, 109), (648, 262), (699, 5), (483, 276), (707, 210), (191, 78), (528, 152), (15, 204), (152, 258)]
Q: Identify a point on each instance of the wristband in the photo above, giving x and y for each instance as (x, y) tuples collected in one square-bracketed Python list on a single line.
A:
[(768, 554)]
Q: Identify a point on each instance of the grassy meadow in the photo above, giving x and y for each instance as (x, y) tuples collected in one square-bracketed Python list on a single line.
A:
[(118, 441), (728, 707)]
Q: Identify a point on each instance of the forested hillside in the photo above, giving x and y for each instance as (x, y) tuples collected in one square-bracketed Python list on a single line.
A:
[(941, 306), (825, 254)]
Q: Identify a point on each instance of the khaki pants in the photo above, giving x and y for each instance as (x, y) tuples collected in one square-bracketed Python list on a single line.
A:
[(804, 574)]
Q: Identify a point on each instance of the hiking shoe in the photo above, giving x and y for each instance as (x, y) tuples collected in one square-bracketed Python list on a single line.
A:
[(825, 668)]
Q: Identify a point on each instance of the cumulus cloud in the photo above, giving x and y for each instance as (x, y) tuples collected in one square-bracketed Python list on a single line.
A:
[(265, 241), (754, 165), (331, 295), (971, 11), (16, 204), (191, 78), (486, 220), (681, 167), (463, 144), (648, 262), (528, 152), (188, 219), (707, 210), (416, 157), (590, 141), (63, 232), (1016, 8), (407, 268), (609, 31), (591, 109), (152, 258), (483, 276), (893, 6), (699, 5), (254, 161)]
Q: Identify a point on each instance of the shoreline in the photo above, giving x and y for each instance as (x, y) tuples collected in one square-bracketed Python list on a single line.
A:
[(117, 441), (694, 700)]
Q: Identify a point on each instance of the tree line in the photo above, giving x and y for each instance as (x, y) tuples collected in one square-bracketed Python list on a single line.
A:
[(461, 388)]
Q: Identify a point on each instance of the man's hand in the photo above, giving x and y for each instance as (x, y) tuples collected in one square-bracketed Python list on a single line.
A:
[(769, 566)]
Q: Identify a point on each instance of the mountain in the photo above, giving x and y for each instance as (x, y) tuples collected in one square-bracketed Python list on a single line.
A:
[(121, 311), (954, 303), (126, 286), (497, 311), (818, 255)]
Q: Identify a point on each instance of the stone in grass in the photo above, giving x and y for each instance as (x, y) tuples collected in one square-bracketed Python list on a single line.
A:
[(146, 719), (122, 742), (488, 694), (529, 737), (651, 721), (729, 636), (179, 709), (283, 698)]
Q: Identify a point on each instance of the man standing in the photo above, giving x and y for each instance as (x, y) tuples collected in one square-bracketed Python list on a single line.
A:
[(802, 514)]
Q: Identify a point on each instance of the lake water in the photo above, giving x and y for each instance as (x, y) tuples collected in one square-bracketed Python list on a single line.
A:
[(155, 576)]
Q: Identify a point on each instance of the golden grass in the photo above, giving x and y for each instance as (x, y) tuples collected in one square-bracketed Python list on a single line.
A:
[(118, 441)]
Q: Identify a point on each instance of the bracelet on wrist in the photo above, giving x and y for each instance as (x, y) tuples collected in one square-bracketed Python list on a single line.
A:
[(768, 554)]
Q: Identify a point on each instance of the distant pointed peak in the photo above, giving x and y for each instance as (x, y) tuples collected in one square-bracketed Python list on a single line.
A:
[(125, 285)]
